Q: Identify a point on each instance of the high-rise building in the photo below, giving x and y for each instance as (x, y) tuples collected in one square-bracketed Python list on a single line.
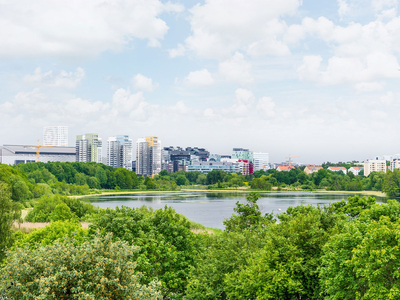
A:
[(148, 156), (142, 157), (88, 148), (119, 152), (242, 154), (261, 161), (56, 136)]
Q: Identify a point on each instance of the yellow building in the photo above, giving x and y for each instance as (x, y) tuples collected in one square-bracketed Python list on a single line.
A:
[(312, 169)]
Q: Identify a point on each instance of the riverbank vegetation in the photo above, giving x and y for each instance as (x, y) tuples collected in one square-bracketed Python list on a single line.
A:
[(34, 180), (344, 250)]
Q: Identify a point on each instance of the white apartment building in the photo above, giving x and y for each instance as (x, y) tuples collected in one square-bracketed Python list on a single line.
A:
[(395, 164), (374, 166), (261, 161), (56, 136), (88, 148), (119, 152), (148, 156), (356, 170)]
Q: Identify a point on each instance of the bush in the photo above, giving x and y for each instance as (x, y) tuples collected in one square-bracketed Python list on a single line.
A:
[(44, 210), (52, 232), (97, 269)]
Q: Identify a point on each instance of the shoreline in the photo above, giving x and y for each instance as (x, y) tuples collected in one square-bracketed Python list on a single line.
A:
[(109, 193)]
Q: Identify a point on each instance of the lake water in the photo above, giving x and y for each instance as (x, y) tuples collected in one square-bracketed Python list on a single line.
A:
[(211, 208)]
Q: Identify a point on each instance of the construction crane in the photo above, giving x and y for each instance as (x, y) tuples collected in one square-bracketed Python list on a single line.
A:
[(290, 159), (37, 149)]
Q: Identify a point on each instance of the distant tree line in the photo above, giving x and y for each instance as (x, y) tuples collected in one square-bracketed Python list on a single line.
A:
[(32, 180)]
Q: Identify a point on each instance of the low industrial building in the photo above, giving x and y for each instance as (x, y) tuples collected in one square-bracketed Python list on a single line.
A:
[(207, 166), (16, 154)]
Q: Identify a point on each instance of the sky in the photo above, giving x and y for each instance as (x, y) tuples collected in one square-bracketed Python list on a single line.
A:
[(317, 79)]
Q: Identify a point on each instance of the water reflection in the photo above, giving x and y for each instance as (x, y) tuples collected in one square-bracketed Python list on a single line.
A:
[(210, 209)]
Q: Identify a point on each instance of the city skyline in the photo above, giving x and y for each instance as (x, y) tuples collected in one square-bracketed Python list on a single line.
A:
[(315, 79)]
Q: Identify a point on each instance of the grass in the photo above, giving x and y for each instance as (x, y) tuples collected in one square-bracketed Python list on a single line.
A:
[(29, 227), (199, 228)]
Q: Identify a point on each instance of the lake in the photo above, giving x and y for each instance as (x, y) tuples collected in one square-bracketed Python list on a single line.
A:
[(211, 208)]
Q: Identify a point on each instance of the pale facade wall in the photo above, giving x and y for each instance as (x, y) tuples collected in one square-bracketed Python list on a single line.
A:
[(374, 166)]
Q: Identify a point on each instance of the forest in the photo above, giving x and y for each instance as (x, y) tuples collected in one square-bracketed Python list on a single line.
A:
[(344, 250)]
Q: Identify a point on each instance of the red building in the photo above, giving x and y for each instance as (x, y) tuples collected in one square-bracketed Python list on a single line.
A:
[(246, 167)]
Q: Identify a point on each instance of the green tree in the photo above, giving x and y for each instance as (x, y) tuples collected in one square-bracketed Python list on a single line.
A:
[(20, 190), (9, 212), (215, 176), (61, 213), (220, 255), (181, 180), (391, 183), (149, 183), (167, 245), (97, 269), (80, 179), (101, 176), (287, 267), (248, 215), (354, 206), (93, 182)]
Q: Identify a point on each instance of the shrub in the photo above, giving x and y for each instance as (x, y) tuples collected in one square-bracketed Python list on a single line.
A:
[(52, 232), (46, 205), (97, 269)]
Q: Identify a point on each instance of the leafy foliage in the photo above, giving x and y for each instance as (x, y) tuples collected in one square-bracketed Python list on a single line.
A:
[(167, 246), (57, 208), (9, 212), (97, 269), (248, 215), (52, 232)]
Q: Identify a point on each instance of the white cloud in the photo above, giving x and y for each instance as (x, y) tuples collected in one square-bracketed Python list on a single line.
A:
[(123, 102), (62, 79), (370, 86), (201, 78), (143, 83), (178, 51), (244, 100), (377, 114), (388, 98), (209, 112), (221, 27), (265, 107), (236, 69), (343, 7), (79, 28), (361, 53), (378, 5)]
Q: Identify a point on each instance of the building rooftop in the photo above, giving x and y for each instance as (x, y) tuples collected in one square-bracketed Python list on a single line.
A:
[(21, 149)]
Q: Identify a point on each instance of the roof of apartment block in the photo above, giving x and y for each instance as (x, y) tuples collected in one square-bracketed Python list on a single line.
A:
[(314, 167)]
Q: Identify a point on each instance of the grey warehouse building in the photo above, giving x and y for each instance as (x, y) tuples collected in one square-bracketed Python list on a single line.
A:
[(16, 154)]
